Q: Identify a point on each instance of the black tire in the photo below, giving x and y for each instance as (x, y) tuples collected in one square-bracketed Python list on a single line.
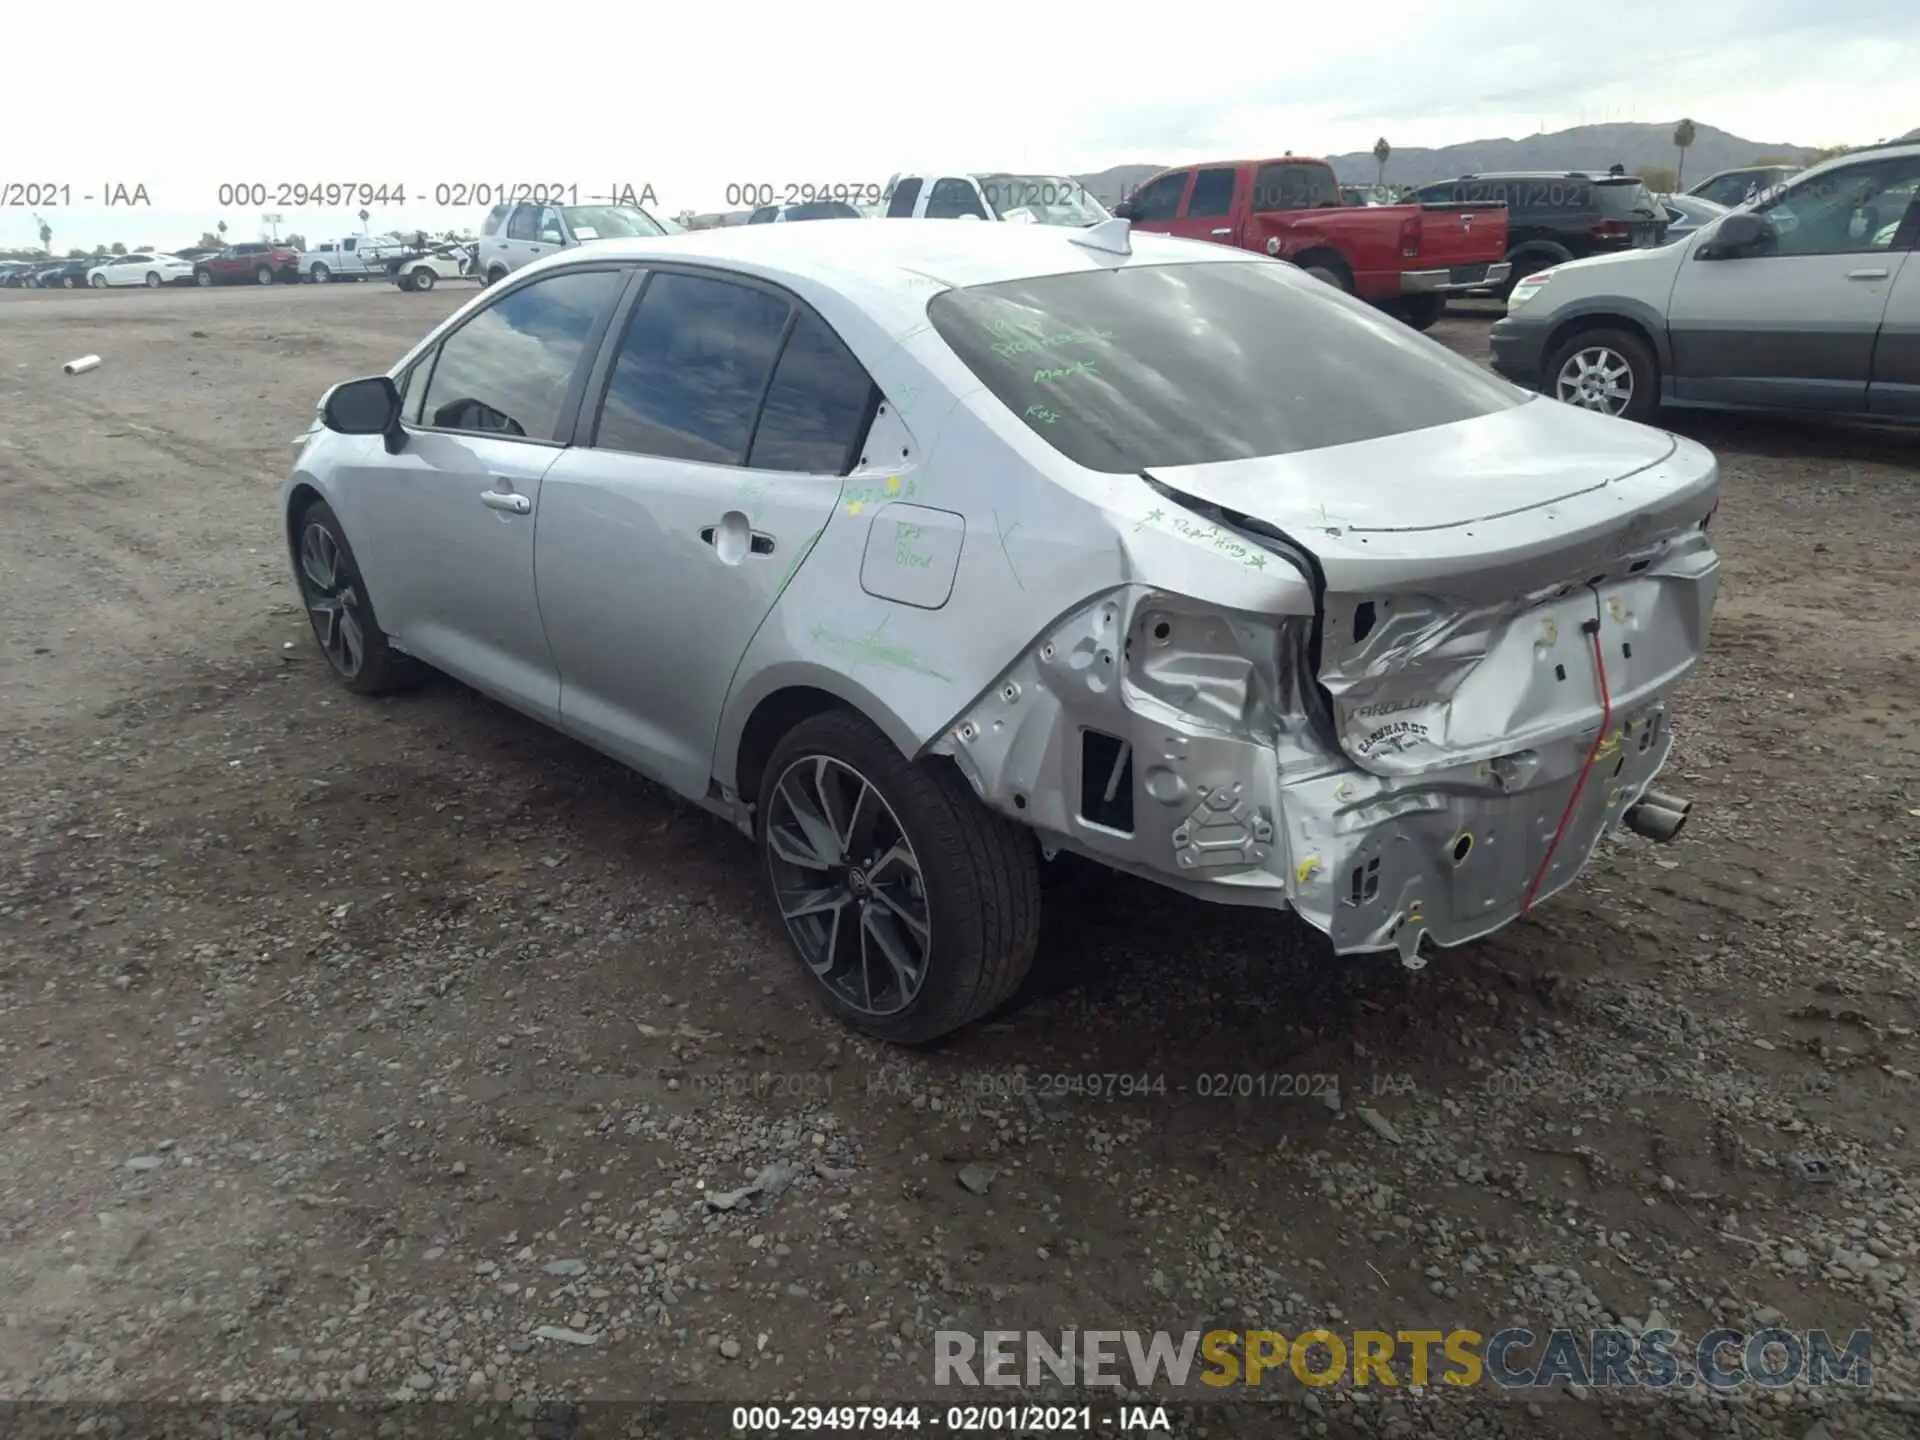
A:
[(1331, 271), (1418, 312), (264, 275), (203, 277), (1643, 401), (423, 279), (979, 870), (381, 670)]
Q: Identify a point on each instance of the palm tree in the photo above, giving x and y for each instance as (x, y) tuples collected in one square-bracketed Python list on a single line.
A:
[(222, 228), (1683, 138), (46, 237), (1381, 150), (365, 215)]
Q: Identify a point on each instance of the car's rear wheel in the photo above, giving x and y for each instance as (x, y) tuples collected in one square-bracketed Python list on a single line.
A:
[(423, 279), (913, 908), (203, 277), (69, 283), (264, 275), (339, 607), (153, 279), (1332, 275), (1609, 371), (495, 275)]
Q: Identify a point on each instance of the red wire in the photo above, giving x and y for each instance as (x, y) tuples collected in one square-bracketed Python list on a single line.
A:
[(1606, 723)]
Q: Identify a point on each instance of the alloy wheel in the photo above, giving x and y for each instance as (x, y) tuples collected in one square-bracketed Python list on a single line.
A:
[(848, 884), (333, 601), (1595, 378)]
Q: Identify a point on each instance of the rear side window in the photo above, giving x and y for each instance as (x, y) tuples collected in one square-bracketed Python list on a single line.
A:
[(1212, 194), (1294, 187), (507, 370), (692, 369), (817, 406), (764, 215), (905, 194), (1193, 364), (525, 223), (495, 218)]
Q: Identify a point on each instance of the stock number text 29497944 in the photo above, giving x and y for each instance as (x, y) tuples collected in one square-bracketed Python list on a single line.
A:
[(758, 193), (297, 194)]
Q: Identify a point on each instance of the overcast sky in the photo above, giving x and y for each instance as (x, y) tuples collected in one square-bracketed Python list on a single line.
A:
[(687, 102)]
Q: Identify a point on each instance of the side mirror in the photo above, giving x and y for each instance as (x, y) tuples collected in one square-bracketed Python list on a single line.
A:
[(1736, 235), (365, 407), (1124, 210)]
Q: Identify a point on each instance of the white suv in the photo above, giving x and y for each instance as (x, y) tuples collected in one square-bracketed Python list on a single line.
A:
[(1807, 300), (518, 233)]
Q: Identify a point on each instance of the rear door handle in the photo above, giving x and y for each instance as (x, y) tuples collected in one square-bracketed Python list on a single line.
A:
[(1866, 274), (506, 500), (1223, 230)]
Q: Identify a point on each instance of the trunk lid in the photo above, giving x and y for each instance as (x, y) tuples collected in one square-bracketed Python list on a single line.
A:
[(1466, 571)]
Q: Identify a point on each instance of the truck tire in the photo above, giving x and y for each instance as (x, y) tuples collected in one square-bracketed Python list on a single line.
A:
[(1417, 312), (423, 278), (321, 275)]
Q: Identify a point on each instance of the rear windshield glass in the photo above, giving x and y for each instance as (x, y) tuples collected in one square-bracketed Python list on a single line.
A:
[(1623, 200), (611, 222), (1157, 365)]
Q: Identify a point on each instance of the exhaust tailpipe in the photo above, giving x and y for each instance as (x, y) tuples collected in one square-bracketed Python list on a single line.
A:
[(1657, 816)]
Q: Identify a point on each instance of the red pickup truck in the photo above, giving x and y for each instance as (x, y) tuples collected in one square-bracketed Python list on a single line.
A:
[(1404, 258)]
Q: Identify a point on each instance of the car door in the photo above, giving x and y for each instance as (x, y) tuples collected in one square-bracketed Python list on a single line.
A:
[(1895, 389), (726, 414), (445, 529), (1207, 213), (1156, 205), (522, 234), (1794, 324)]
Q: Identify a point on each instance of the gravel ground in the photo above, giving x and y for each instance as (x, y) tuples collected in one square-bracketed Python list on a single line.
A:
[(380, 1049)]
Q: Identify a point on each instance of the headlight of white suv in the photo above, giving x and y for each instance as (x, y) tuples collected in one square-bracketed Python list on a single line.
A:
[(1528, 287)]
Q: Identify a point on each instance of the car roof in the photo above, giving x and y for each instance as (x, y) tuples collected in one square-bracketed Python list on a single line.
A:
[(857, 255)]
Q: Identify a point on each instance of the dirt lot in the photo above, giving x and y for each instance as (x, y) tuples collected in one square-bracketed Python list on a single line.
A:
[(344, 1044)]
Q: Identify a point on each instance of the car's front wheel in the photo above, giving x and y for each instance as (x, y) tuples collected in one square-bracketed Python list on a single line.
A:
[(913, 908), (264, 275), (339, 607), (153, 279), (203, 277), (1611, 371), (99, 282)]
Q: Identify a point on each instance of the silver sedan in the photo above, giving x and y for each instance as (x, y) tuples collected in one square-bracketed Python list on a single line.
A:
[(924, 553)]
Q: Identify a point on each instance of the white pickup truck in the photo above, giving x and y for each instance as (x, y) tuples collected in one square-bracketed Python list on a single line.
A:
[(355, 258), (992, 195)]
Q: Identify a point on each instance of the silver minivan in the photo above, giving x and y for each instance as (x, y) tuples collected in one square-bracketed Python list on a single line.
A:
[(517, 233)]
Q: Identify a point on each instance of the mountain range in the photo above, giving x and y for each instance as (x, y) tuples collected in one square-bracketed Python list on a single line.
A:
[(1585, 147)]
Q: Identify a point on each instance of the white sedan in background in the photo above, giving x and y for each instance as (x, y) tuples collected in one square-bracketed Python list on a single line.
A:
[(152, 270)]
